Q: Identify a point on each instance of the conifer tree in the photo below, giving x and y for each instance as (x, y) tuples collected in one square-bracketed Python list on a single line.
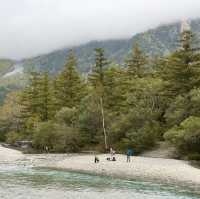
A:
[(30, 103), (55, 94), (181, 71), (69, 84), (97, 76), (136, 62), (30, 97), (45, 97), (97, 80), (115, 89)]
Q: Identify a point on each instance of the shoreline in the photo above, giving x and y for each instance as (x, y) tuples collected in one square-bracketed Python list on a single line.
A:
[(168, 171), (155, 170), (10, 155), (191, 187)]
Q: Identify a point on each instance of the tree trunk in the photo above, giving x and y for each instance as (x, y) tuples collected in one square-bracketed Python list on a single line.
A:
[(103, 124)]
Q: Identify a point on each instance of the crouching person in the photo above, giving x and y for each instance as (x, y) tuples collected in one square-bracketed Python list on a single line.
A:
[(96, 159)]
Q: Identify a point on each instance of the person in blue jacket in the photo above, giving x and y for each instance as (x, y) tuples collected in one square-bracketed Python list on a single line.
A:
[(129, 154)]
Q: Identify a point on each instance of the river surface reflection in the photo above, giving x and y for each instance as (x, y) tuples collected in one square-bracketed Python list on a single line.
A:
[(24, 182)]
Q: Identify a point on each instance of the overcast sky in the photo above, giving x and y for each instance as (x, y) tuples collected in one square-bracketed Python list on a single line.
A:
[(31, 27)]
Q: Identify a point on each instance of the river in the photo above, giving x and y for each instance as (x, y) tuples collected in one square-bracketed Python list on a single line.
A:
[(22, 181)]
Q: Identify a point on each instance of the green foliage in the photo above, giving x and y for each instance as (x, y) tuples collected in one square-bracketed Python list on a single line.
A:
[(97, 76), (90, 121), (12, 137), (9, 114), (97, 80), (46, 98), (137, 130), (69, 85), (181, 79), (115, 89), (58, 138), (186, 137), (140, 126), (67, 116), (181, 70), (36, 102), (182, 107), (136, 63), (194, 156), (113, 106)]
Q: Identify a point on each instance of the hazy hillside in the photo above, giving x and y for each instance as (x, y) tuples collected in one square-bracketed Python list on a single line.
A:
[(12, 82), (158, 41), (115, 50), (6, 65)]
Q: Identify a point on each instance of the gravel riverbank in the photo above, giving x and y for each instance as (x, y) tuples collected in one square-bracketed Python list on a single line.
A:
[(144, 168), (151, 169)]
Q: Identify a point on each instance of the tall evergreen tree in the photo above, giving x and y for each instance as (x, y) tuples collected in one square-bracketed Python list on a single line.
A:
[(97, 80), (69, 84), (30, 97), (181, 71), (136, 62), (115, 89), (97, 76), (30, 103), (45, 96)]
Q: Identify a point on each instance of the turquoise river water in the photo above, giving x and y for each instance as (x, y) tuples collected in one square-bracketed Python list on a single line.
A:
[(23, 182)]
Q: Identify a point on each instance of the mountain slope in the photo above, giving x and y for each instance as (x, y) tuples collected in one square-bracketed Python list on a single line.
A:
[(158, 41), (6, 65), (115, 50)]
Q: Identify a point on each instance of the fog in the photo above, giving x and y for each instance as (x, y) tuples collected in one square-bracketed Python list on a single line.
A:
[(32, 27)]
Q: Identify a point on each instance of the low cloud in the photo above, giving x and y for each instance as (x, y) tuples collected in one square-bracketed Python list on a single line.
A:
[(31, 27)]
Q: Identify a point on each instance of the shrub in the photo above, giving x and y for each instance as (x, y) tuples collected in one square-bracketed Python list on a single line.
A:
[(133, 132), (186, 137), (58, 138), (194, 156), (12, 137), (67, 116)]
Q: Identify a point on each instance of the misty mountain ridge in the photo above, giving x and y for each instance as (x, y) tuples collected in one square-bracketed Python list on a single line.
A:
[(154, 42)]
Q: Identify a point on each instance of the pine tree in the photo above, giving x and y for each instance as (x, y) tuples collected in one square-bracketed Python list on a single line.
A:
[(56, 93), (97, 81), (97, 76), (115, 89), (181, 71), (30, 97), (30, 103), (45, 96), (69, 84), (136, 63)]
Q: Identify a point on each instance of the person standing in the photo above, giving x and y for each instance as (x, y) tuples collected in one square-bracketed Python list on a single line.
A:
[(129, 154), (112, 154), (47, 149), (96, 159)]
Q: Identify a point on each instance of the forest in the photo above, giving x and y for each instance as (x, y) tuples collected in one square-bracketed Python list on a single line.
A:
[(135, 104)]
